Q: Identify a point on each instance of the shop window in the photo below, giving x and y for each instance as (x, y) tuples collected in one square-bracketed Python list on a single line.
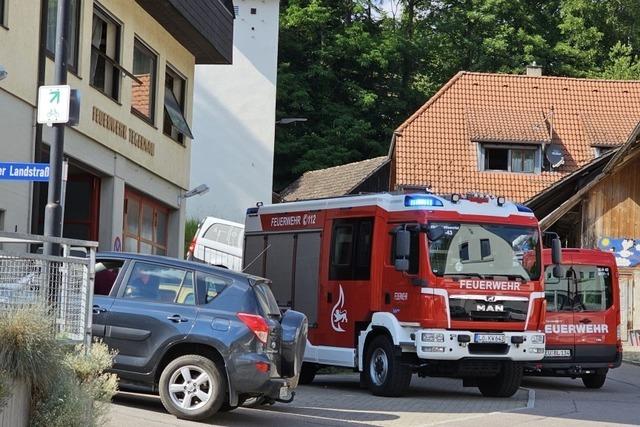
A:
[(175, 125), (145, 225), (144, 87), (74, 20), (351, 249), (105, 54), (510, 159)]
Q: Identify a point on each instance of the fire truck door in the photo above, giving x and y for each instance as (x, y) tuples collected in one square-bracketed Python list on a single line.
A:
[(560, 333), (595, 314), (345, 297)]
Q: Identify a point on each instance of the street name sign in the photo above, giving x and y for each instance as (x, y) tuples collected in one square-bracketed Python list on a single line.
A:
[(24, 171), (53, 104)]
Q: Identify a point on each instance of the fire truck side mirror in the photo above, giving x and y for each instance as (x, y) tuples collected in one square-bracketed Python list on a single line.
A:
[(402, 249), (556, 251)]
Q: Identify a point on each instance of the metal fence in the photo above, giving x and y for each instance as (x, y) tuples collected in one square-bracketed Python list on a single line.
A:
[(62, 286)]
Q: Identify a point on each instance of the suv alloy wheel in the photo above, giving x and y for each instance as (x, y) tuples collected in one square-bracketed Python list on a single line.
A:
[(192, 387)]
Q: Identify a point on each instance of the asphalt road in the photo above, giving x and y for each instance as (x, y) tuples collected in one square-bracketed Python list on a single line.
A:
[(337, 400)]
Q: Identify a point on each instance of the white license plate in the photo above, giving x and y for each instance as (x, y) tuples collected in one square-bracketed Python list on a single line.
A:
[(557, 353), (489, 338)]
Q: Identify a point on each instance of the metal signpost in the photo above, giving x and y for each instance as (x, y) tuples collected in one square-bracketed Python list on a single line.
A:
[(53, 109)]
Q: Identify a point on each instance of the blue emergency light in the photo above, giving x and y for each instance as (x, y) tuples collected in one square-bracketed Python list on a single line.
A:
[(422, 201)]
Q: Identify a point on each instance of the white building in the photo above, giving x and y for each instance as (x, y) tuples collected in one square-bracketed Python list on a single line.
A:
[(133, 62), (234, 118)]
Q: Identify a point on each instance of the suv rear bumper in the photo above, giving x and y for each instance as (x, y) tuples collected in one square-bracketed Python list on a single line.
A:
[(247, 376), (440, 344)]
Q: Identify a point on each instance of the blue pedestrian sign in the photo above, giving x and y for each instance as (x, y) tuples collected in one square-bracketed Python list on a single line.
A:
[(24, 171)]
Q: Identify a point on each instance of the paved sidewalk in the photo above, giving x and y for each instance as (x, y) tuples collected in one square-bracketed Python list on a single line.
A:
[(337, 400)]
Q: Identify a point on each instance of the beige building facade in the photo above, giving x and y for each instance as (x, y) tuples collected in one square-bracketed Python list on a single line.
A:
[(133, 63)]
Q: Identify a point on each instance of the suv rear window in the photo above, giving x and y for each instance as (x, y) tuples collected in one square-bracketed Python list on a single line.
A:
[(266, 300), (584, 288)]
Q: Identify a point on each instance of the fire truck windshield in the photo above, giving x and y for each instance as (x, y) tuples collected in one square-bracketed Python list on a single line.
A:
[(486, 250)]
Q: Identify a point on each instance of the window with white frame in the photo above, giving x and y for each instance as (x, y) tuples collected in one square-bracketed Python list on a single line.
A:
[(509, 158)]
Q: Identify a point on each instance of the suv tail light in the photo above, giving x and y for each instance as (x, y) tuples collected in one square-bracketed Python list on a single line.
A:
[(257, 324)]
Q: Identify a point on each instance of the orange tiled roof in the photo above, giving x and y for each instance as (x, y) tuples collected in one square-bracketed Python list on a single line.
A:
[(437, 145)]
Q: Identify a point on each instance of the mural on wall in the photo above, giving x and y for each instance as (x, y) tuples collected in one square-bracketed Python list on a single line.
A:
[(626, 251)]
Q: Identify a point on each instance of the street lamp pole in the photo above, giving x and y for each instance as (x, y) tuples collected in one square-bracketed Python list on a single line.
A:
[(53, 213)]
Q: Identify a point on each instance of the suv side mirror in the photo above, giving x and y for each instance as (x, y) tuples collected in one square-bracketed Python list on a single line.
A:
[(402, 249), (436, 233)]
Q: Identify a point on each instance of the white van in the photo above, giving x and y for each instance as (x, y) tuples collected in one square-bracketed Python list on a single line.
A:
[(218, 242)]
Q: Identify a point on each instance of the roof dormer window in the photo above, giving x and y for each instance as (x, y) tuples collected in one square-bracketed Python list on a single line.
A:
[(509, 158)]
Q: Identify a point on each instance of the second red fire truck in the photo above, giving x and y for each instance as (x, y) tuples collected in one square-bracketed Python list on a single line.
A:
[(396, 284)]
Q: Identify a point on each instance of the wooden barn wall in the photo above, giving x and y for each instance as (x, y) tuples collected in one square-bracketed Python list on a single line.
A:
[(612, 207), (612, 210)]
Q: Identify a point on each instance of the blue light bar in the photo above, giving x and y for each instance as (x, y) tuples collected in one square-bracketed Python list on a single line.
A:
[(422, 201), (522, 208)]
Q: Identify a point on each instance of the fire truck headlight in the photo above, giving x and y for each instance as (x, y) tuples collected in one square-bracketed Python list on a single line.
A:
[(537, 339), (432, 337), (433, 349)]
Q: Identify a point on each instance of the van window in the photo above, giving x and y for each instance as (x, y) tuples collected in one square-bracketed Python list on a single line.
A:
[(225, 234), (584, 288), (351, 249)]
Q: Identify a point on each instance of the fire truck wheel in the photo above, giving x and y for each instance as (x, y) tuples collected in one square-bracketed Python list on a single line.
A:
[(307, 373), (595, 380), (386, 374), (503, 385)]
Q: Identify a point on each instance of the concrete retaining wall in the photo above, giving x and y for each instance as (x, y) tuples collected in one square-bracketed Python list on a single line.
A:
[(15, 412)]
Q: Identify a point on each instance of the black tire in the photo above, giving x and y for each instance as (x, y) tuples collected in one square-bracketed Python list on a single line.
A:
[(505, 384), (595, 380), (307, 373), (215, 387), (386, 375)]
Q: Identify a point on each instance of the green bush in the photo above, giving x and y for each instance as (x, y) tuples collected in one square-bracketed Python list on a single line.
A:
[(82, 391), (69, 386), (28, 349)]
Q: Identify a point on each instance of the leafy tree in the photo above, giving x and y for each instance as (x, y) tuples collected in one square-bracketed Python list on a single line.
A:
[(357, 68)]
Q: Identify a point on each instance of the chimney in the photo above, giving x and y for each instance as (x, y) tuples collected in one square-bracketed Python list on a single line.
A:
[(534, 70)]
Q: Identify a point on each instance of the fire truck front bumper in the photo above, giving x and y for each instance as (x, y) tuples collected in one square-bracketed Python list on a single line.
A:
[(440, 344)]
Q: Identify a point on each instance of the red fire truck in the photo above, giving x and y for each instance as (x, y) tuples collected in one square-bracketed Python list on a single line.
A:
[(583, 317), (395, 284)]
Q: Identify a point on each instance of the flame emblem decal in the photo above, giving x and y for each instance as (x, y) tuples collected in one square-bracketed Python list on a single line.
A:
[(338, 314)]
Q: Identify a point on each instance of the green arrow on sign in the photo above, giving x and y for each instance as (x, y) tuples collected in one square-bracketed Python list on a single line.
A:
[(55, 96)]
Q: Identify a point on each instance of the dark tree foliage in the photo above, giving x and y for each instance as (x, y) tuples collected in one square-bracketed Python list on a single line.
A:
[(356, 69)]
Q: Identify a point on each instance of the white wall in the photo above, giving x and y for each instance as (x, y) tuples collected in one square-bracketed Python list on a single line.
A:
[(234, 118)]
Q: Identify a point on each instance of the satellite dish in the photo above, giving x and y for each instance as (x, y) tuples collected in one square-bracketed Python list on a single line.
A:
[(554, 155)]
